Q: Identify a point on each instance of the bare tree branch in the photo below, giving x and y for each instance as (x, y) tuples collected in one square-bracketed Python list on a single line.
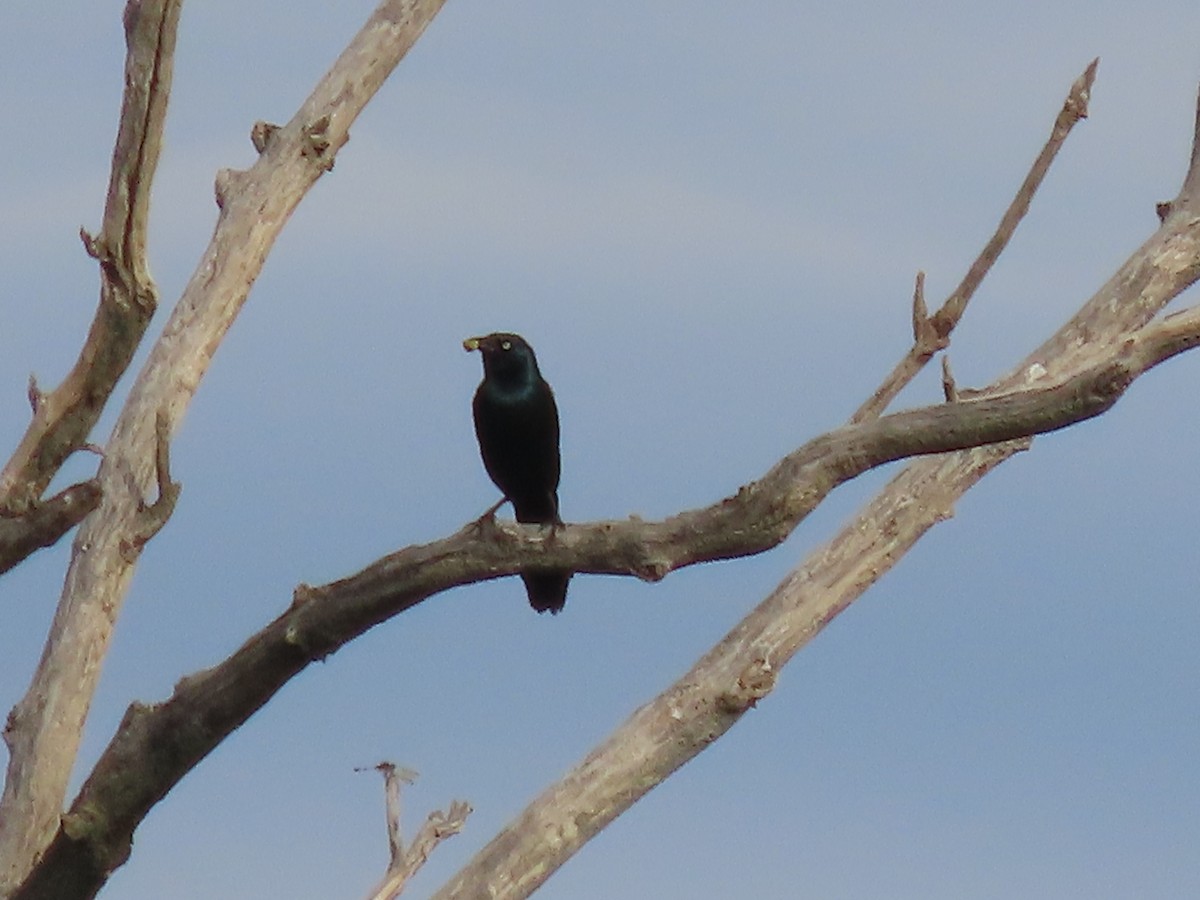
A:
[(742, 669), (156, 745), (44, 728), (63, 419), (393, 777), (1078, 374), (46, 522), (934, 334), (439, 826), (403, 864), (1111, 328), (436, 829)]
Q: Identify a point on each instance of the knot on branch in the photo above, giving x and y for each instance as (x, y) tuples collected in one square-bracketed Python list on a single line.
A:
[(145, 295), (755, 681), (317, 145), (930, 333), (129, 283), (35, 394), (227, 185), (261, 135), (313, 645), (152, 517), (651, 570), (303, 595)]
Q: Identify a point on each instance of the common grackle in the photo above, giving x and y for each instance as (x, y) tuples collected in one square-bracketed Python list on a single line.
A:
[(516, 422)]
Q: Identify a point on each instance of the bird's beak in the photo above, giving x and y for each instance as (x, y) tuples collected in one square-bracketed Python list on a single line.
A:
[(472, 343)]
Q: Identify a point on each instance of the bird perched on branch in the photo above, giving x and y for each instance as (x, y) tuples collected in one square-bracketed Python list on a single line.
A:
[(516, 422)]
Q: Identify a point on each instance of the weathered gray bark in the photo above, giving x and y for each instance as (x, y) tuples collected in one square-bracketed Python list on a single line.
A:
[(1110, 334), (63, 418), (1078, 373), (1114, 327), (41, 744), (44, 728)]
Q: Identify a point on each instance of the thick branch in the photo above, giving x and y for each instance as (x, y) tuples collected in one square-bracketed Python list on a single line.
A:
[(695, 711), (739, 672), (933, 334), (45, 523), (63, 419), (44, 728), (156, 745)]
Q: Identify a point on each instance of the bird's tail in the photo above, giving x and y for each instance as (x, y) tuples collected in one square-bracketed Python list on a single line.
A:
[(547, 590)]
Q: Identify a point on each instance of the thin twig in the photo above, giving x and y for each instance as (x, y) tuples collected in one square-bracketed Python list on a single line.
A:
[(922, 330), (943, 322), (402, 864), (393, 777), (1191, 192), (439, 826), (949, 388), (1074, 109)]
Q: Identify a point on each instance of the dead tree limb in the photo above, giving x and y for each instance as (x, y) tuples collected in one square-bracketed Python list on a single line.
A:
[(158, 744), (43, 524), (64, 417), (404, 862), (43, 730), (741, 669), (932, 333), (437, 827)]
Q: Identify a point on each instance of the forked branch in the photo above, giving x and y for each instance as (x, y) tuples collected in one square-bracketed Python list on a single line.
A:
[(932, 333), (404, 862), (703, 704), (156, 745), (63, 418), (44, 728)]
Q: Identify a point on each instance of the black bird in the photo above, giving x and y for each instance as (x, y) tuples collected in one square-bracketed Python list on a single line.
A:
[(516, 422)]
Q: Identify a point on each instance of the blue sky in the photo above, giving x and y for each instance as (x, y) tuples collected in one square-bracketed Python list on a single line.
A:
[(706, 219)]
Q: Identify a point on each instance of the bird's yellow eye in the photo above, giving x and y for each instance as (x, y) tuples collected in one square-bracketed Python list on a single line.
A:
[(506, 345)]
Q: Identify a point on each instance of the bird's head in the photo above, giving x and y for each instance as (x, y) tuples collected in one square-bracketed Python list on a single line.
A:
[(506, 357)]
